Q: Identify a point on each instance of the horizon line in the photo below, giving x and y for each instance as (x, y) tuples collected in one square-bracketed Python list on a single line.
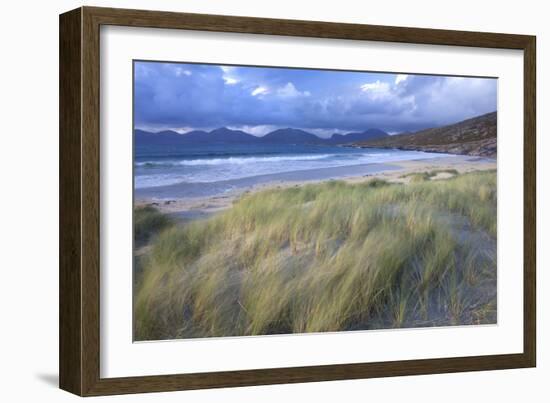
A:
[(342, 133)]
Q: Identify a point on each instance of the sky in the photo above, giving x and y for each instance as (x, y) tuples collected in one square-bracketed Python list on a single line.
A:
[(185, 97)]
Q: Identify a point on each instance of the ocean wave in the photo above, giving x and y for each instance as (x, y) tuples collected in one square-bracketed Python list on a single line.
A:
[(170, 171), (232, 160)]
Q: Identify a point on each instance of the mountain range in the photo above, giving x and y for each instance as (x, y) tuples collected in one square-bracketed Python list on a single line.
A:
[(475, 136), (224, 135)]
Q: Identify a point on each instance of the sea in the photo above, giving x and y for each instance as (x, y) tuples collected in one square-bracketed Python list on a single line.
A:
[(178, 171)]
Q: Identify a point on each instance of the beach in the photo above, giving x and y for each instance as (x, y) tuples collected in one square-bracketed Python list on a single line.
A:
[(385, 245), (191, 201), (356, 201)]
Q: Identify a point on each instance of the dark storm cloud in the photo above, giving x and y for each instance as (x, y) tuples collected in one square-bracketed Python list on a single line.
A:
[(187, 96)]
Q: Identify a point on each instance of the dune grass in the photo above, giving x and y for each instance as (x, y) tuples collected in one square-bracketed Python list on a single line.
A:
[(147, 222), (424, 176), (326, 257)]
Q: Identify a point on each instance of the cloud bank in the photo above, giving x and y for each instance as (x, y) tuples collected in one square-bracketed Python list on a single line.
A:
[(183, 97)]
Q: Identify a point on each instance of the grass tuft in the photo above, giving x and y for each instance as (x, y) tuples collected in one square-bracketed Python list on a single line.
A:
[(416, 177), (148, 221)]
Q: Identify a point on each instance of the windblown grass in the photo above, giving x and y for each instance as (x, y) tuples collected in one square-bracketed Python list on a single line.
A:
[(147, 222), (326, 257)]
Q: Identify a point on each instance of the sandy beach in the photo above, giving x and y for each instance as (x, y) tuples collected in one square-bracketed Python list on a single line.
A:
[(188, 204), (364, 202)]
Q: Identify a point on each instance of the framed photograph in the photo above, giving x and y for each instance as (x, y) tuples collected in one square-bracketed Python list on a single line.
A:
[(248, 201)]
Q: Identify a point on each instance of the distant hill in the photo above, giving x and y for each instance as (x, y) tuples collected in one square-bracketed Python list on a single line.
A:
[(369, 134), (224, 135), (291, 136), (218, 136), (475, 136), (164, 137)]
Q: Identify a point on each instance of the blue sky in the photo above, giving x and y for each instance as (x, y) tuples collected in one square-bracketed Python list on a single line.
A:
[(184, 97)]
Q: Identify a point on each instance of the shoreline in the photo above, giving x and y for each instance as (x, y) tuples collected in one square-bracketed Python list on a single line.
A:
[(174, 204), (482, 148)]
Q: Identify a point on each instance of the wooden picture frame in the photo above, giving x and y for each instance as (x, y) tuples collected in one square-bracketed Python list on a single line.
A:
[(79, 348)]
